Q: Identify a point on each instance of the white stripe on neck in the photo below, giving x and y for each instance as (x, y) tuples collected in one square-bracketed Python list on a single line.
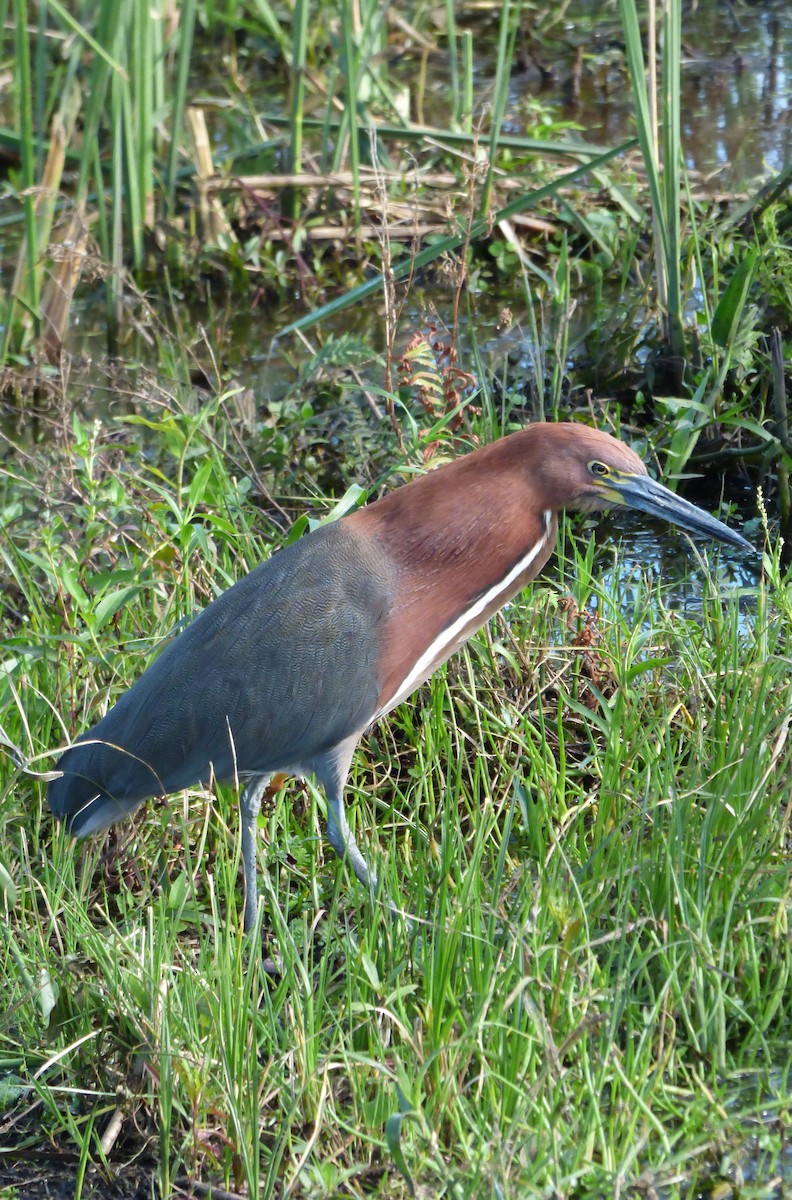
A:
[(447, 636)]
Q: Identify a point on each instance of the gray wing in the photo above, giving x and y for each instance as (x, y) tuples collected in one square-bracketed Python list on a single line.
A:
[(281, 667)]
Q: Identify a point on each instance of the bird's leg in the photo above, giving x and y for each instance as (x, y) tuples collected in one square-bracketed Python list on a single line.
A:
[(331, 771), (342, 839), (343, 842), (250, 806)]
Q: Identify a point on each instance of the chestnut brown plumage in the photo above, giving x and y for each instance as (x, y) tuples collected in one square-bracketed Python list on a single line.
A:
[(285, 670)]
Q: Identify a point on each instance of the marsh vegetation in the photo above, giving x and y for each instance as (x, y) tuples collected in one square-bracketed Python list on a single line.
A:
[(261, 261)]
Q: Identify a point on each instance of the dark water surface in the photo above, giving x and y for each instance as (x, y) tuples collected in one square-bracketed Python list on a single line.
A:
[(736, 81)]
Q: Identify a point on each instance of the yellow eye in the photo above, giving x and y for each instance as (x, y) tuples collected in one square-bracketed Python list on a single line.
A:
[(599, 469)]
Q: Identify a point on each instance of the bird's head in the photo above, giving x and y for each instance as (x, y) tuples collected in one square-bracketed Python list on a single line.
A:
[(589, 470)]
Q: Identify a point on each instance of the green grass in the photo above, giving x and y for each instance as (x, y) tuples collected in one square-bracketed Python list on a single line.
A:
[(593, 840)]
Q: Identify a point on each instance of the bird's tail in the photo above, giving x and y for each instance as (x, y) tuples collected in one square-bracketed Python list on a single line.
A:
[(84, 803), (97, 814)]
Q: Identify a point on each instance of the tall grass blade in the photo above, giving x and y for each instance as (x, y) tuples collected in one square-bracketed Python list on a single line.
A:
[(466, 115), (186, 30), (99, 45), (672, 166), (26, 289), (117, 210), (96, 91), (302, 8), (144, 20), (272, 25), (451, 43), (663, 191), (509, 22), (350, 15), (128, 187)]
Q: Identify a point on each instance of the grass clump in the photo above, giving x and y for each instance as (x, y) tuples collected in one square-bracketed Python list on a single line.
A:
[(587, 812)]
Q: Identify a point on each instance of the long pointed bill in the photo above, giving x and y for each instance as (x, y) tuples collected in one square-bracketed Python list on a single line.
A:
[(641, 492)]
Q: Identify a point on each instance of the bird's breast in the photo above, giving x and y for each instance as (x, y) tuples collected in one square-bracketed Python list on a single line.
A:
[(443, 597)]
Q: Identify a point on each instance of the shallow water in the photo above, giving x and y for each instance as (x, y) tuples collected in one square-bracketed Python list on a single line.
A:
[(736, 82)]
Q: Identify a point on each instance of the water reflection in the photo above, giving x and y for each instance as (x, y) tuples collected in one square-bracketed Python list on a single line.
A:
[(674, 570), (736, 85)]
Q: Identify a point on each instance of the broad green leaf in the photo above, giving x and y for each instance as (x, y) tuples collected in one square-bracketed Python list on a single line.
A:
[(731, 304)]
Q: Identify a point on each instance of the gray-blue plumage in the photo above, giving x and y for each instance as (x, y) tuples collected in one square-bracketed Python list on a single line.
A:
[(276, 674)]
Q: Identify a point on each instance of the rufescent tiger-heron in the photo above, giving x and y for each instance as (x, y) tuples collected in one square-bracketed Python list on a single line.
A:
[(286, 670)]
